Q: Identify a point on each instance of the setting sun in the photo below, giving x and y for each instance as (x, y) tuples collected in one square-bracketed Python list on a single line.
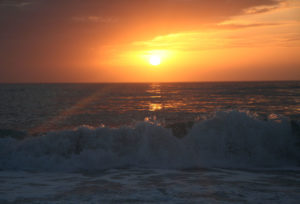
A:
[(154, 60)]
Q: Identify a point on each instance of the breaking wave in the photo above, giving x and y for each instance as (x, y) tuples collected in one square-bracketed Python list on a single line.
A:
[(229, 139)]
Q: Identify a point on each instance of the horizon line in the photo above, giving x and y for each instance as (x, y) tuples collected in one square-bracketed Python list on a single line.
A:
[(148, 82)]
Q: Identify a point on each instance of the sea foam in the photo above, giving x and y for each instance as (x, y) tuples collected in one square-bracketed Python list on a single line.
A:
[(228, 139)]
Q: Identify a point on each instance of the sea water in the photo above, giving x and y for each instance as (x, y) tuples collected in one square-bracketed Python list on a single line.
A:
[(150, 142)]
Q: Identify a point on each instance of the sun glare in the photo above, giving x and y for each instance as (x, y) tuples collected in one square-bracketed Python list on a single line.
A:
[(154, 60)]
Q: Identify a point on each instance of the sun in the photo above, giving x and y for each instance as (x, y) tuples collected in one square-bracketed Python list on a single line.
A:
[(154, 60)]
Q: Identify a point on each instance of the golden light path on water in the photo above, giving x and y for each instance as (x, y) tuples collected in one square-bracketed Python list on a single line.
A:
[(153, 102), (65, 114)]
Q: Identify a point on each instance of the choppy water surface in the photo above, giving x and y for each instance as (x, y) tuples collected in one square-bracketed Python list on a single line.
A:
[(172, 143), (46, 107), (152, 186)]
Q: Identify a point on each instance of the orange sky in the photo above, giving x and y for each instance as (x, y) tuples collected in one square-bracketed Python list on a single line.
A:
[(112, 40)]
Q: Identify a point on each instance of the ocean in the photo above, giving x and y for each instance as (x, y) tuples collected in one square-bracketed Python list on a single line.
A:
[(225, 142)]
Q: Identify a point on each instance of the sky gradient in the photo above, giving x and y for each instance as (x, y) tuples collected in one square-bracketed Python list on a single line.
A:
[(112, 40)]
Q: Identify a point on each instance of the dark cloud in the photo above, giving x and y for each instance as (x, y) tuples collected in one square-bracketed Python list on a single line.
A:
[(157, 15), (15, 3)]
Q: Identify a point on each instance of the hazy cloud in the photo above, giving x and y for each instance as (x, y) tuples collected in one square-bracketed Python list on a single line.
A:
[(15, 3), (56, 33), (94, 19), (240, 26)]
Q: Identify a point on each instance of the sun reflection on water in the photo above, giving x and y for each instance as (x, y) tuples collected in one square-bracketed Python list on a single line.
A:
[(155, 107), (155, 94)]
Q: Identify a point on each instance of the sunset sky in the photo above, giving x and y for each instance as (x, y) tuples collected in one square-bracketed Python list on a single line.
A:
[(113, 40)]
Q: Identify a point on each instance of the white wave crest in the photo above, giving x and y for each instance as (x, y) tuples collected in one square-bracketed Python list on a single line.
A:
[(229, 139)]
